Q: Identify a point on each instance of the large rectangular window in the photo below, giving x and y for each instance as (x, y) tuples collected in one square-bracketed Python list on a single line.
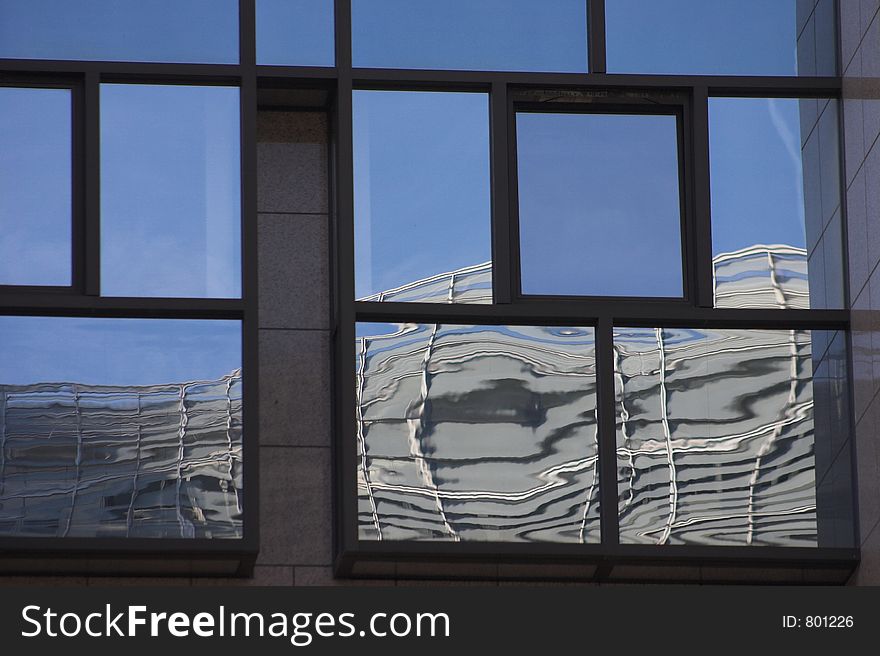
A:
[(776, 224), (477, 433), (120, 428)]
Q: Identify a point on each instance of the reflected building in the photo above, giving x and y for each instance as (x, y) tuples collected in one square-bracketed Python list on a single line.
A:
[(489, 432), (150, 461)]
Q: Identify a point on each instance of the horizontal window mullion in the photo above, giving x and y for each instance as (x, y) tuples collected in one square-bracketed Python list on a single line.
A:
[(75, 305), (623, 313)]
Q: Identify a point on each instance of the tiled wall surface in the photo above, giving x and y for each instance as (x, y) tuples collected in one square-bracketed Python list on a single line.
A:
[(860, 56)]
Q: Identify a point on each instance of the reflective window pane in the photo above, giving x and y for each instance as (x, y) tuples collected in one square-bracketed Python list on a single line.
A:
[(477, 433), (776, 228), (120, 428), (422, 206), (295, 32), (599, 209), (200, 31), (170, 191), (35, 186), (504, 35), (746, 37), (732, 437)]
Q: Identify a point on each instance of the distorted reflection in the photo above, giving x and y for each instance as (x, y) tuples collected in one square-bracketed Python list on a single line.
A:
[(715, 437), (122, 428), (476, 433)]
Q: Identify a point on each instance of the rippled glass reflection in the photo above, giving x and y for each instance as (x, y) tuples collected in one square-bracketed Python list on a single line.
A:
[(715, 437), (120, 428), (476, 433)]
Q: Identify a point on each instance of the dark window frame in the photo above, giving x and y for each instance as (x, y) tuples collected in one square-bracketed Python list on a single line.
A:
[(176, 556), (356, 557)]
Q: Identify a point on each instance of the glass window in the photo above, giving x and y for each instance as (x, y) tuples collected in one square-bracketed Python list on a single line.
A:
[(504, 35), (170, 191), (477, 433), (422, 204), (599, 206), (732, 437), (35, 186), (776, 234), (120, 428), (746, 37), (201, 31), (295, 32)]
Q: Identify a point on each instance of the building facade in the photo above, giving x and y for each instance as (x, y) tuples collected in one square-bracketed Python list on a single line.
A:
[(414, 377)]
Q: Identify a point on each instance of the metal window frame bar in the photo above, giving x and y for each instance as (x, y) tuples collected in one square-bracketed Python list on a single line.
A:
[(83, 298)]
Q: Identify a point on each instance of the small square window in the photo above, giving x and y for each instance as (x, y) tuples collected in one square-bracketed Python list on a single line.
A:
[(599, 204)]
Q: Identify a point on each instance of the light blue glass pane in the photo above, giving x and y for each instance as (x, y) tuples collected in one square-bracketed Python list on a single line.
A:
[(477, 433), (746, 37), (203, 31), (599, 209), (776, 238), (35, 186), (120, 428), (504, 35), (170, 191), (295, 32), (422, 205)]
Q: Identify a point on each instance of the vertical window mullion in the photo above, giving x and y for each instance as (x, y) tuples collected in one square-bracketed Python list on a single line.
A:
[(702, 281), (91, 131), (596, 35), (344, 317), (607, 438), (501, 162)]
